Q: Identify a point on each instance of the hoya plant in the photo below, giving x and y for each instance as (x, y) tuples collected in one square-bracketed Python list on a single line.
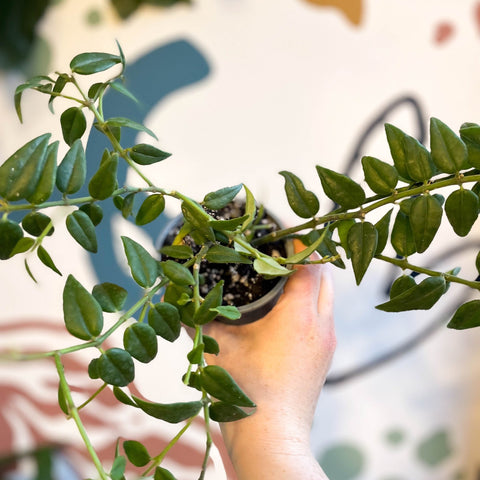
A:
[(404, 197)]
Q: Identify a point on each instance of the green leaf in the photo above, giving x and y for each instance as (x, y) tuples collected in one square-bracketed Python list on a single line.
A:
[(82, 314), (382, 227), (21, 172), (419, 297), (118, 468), (425, 218), (222, 254), (120, 88), (111, 297), (127, 205), (177, 273), (401, 284), (24, 244), (269, 267), (150, 209), (195, 356), (60, 84), (449, 153), (122, 397), (470, 134), (402, 236), (182, 252), (73, 124), (227, 311), (461, 208), (35, 223), (362, 241), (136, 453), (127, 122), (224, 412), (228, 225), (141, 342), (46, 182), (250, 207), (211, 345), (340, 188), (145, 154), (93, 369), (27, 268), (418, 160), (46, 259), (116, 367), (72, 170), (477, 262), (170, 412), (104, 182), (94, 212), (220, 198), (142, 265), (164, 318), (82, 230), (396, 142), (467, 316), (303, 202), (62, 401), (306, 252), (219, 383), (93, 62), (199, 219), (163, 474), (214, 297), (381, 177)]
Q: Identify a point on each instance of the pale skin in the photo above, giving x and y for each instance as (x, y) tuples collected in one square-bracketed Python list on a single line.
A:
[(281, 362)]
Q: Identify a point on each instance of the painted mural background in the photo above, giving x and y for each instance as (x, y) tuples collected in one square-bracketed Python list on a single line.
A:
[(240, 90)]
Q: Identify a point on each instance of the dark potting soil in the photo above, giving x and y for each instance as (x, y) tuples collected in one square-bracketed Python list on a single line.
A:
[(242, 284)]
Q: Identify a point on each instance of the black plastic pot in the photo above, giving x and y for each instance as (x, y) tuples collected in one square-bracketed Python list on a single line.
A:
[(255, 310)]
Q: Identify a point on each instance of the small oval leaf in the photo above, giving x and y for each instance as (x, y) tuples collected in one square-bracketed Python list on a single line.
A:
[(419, 297), (219, 383), (35, 223), (164, 318), (402, 236), (461, 208), (140, 341), (136, 453), (340, 188), (82, 314), (222, 254), (362, 241), (73, 124), (143, 266), (425, 219), (381, 177), (303, 202), (150, 209), (224, 412), (71, 172), (145, 154), (104, 181), (177, 273), (82, 230), (466, 316), (116, 367), (221, 198), (93, 62), (111, 297), (10, 234)]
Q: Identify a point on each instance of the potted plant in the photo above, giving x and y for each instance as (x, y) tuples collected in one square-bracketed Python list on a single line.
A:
[(406, 201)]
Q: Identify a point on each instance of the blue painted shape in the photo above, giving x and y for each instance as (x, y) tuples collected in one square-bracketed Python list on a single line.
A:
[(151, 79)]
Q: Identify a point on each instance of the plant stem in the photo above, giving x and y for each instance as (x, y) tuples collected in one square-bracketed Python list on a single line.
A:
[(404, 264), (209, 441), (86, 402), (157, 460), (76, 417)]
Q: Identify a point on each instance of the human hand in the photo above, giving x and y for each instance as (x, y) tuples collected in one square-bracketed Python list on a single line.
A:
[(281, 362)]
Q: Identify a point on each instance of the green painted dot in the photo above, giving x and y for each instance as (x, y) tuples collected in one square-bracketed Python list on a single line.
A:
[(395, 436), (342, 462), (434, 449), (94, 17)]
